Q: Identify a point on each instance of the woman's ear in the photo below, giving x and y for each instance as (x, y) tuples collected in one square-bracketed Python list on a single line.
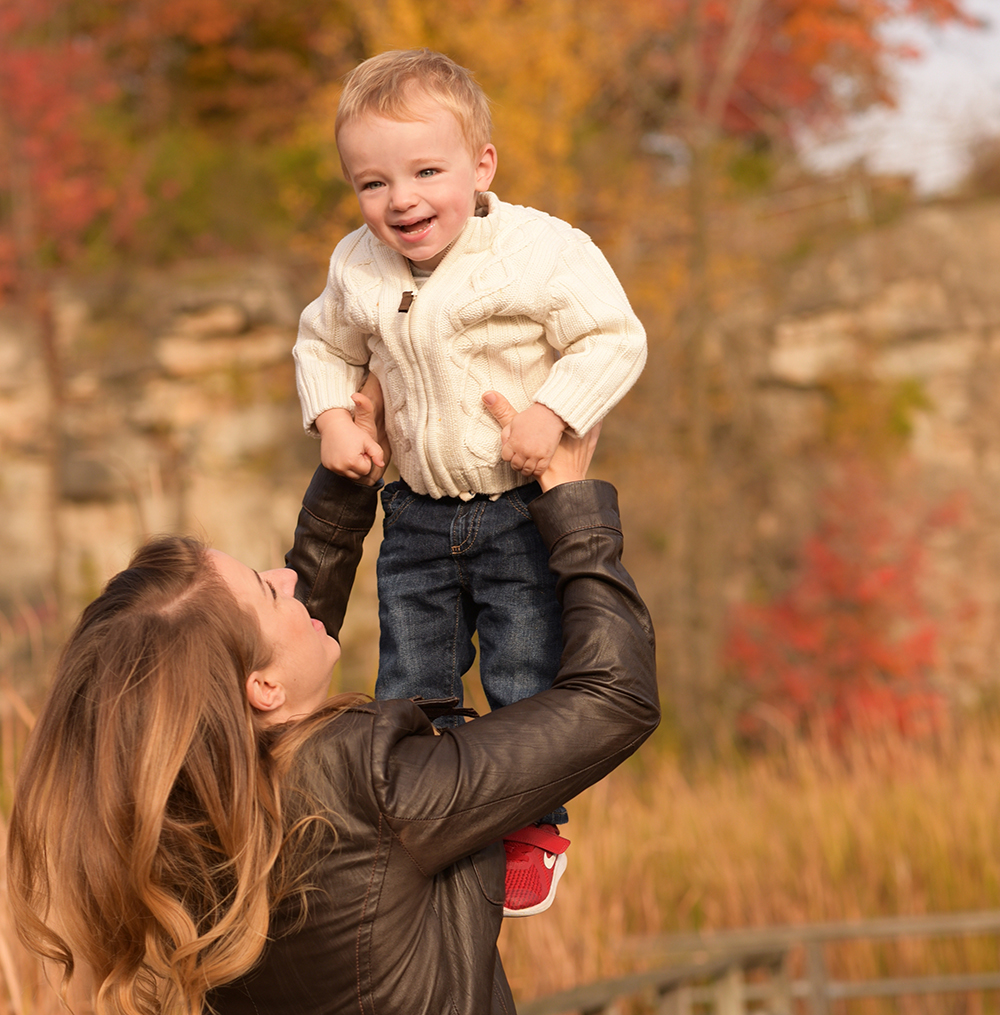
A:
[(263, 694)]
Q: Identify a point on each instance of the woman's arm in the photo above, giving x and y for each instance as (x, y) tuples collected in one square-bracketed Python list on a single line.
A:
[(336, 516)]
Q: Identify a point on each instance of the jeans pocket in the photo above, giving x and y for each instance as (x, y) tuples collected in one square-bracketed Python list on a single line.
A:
[(521, 496), (396, 498)]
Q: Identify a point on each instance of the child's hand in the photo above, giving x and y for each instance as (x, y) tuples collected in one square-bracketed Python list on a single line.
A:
[(345, 448), (529, 441), (572, 457)]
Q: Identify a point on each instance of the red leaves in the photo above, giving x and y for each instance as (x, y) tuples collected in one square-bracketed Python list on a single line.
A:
[(852, 643), (782, 61), (89, 91), (55, 163)]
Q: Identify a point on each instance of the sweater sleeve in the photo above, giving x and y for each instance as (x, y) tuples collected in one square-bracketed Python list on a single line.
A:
[(602, 342), (331, 353)]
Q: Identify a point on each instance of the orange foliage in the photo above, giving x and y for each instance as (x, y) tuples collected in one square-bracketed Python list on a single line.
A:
[(243, 66), (86, 88), (787, 59)]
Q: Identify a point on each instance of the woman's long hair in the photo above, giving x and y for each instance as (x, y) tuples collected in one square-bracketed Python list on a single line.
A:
[(147, 825)]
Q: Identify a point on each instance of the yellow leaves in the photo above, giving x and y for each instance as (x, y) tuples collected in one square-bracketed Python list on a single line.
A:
[(393, 24), (543, 66), (542, 72)]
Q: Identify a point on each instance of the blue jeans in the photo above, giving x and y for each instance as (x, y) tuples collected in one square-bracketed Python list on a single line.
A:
[(449, 568)]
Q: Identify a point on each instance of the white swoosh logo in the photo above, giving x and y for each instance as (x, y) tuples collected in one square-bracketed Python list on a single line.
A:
[(549, 859)]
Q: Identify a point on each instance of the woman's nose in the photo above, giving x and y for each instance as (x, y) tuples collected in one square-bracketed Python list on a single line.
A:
[(283, 579)]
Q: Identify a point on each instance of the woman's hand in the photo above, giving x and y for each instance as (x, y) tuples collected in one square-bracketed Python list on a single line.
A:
[(571, 459)]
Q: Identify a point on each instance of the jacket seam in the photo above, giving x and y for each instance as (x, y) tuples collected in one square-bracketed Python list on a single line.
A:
[(368, 924)]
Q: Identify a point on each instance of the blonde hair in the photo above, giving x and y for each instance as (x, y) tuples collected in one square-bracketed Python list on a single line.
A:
[(390, 85), (147, 830)]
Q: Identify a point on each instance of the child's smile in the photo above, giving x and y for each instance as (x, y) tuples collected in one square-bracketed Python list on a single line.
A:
[(416, 180), (415, 228)]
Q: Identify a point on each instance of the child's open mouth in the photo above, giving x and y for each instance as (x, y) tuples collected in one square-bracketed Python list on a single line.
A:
[(413, 228)]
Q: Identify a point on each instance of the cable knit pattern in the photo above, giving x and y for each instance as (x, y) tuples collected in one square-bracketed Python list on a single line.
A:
[(523, 304)]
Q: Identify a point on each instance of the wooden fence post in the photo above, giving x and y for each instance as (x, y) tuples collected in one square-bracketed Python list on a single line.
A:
[(729, 994), (676, 1001), (780, 995), (819, 1002)]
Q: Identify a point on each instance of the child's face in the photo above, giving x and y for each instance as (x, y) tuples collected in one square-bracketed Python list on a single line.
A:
[(416, 180)]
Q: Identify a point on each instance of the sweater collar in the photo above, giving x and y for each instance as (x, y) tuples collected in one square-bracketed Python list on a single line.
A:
[(481, 226)]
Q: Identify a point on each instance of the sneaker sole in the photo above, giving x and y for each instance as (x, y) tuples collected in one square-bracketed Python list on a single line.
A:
[(540, 907)]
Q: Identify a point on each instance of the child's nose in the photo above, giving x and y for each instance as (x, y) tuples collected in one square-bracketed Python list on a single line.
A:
[(401, 198)]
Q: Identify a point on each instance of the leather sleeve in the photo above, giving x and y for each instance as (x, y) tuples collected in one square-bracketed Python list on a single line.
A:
[(336, 516), (450, 795)]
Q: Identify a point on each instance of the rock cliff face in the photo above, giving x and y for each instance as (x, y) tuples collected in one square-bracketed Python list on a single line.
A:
[(179, 410), (914, 306), (920, 301), (178, 413), (178, 390)]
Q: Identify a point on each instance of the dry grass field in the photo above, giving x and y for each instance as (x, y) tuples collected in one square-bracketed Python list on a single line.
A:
[(883, 828), (886, 828)]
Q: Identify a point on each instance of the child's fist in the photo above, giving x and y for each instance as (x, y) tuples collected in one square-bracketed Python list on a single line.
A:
[(530, 440), (345, 448)]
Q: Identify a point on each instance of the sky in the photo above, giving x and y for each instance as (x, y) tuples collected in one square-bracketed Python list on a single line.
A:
[(947, 100)]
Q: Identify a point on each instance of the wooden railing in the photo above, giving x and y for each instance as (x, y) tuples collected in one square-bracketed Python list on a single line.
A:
[(718, 982)]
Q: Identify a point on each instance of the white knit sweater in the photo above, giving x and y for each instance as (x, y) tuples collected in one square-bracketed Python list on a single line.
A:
[(522, 303)]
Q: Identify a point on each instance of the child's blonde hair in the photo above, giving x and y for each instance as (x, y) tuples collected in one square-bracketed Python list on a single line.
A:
[(380, 86)]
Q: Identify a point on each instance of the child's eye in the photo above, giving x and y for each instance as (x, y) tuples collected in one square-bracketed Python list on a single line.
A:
[(427, 172), (371, 185)]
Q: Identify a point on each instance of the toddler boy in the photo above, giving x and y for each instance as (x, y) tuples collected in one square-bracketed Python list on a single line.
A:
[(444, 294)]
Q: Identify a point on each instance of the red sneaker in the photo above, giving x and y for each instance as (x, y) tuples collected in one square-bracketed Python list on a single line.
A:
[(536, 859)]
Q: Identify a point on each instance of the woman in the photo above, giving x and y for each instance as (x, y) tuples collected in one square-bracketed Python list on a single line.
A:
[(196, 828)]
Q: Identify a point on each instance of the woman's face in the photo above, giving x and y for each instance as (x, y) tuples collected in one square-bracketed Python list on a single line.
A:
[(302, 653)]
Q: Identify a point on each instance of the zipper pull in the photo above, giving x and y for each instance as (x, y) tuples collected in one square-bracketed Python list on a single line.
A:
[(406, 301)]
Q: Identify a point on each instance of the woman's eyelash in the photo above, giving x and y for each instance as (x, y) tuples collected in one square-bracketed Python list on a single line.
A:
[(274, 591)]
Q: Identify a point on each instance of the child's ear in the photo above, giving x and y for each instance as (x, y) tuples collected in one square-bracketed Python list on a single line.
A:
[(486, 167)]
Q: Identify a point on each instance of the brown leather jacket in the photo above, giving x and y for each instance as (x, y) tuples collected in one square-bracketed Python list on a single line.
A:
[(409, 895)]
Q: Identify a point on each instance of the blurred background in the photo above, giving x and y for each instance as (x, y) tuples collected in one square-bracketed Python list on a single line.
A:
[(802, 200)]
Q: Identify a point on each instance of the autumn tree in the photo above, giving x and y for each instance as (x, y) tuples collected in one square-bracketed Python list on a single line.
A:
[(211, 98), (59, 182), (718, 80), (56, 158), (850, 644)]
